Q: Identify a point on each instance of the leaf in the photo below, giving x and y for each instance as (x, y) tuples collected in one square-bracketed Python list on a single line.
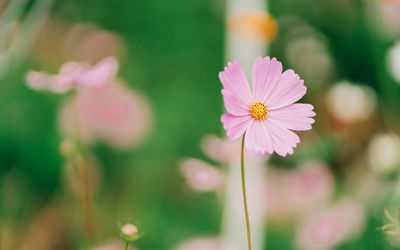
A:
[(398, 215), (389, 232), (388, 215), (386, 226)]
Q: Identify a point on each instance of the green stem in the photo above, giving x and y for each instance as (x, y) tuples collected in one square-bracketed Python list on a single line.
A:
[(244, 194), (86, 200), (127, 245)]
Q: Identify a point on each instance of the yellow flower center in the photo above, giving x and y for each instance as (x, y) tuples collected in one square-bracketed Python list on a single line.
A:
[(258, 110)]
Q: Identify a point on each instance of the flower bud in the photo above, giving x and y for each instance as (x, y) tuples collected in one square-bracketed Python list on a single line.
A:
[(129, 230)]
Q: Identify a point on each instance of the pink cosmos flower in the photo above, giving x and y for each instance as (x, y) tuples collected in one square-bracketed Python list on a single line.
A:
[(74, 74), (267, 114)]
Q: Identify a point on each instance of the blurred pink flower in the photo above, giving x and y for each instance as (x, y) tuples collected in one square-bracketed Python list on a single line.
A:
[(307, 187), (3, 4), (82, 42), (104, 41), (224, 151), (73, 74), (268, 114), (204, 243), (87, 42), (329, 227), (111, 113), (42, 81), (201, 176), (273, 199), (389, 12), (294, 193), (218, 149)]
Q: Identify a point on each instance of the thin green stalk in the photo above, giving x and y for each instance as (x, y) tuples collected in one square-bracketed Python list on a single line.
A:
[(127, 245), (244, 194), (86, 200)]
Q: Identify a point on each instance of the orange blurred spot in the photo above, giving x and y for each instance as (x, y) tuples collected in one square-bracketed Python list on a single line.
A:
[(254, 25)]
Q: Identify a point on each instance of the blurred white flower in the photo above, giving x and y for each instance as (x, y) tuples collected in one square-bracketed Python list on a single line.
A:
[(327, 228), (384, 153), (309, 55), (201, 176), (204, 243), (364, 185), (349, 103), (393, 61)]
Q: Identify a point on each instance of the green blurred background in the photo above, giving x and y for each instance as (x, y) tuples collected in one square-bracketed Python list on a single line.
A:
[(173, 51)]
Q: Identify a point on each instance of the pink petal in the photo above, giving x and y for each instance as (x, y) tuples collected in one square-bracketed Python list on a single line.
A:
[(234, 105), (258, 138), (235, 125), (72, 66), (266, 75), (295, 116), (42, 81), (285, 140), (235, 82), (278, 146), (100, 74), (67, 79), (69, 72), (289, 137), (289, 90)]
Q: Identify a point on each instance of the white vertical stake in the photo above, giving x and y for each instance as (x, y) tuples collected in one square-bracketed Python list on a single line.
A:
[(234, 226)]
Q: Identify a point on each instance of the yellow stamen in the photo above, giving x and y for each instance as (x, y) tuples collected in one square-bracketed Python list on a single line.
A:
[(258, 110)]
